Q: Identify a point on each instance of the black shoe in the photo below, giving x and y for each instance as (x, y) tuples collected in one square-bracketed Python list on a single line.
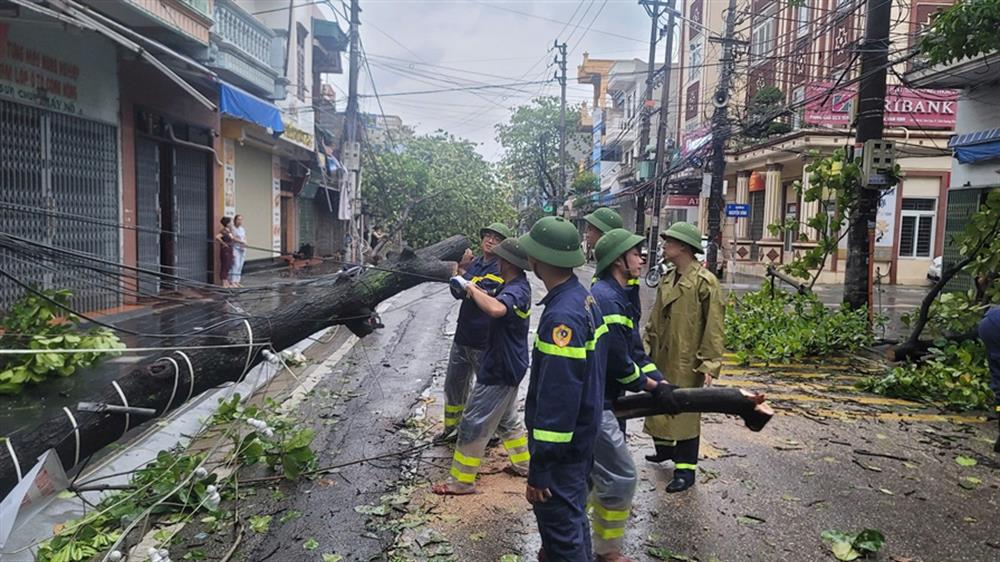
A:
[(447, 436), (683, 479), (663, 453)]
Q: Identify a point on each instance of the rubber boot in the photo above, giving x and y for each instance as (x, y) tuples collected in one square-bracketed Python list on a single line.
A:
[(663, 453), (996, 446), (683, 479)]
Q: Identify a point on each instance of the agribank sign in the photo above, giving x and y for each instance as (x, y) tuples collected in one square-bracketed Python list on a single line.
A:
[(904, 107)]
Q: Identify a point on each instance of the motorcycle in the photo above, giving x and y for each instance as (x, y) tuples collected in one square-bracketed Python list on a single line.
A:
[(656, 272)]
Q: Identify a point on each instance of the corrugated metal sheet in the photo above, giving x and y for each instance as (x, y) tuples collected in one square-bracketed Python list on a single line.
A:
[(66, 165)]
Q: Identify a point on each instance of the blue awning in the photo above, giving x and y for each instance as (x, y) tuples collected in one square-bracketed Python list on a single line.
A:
[(248, 107), (976, 147)]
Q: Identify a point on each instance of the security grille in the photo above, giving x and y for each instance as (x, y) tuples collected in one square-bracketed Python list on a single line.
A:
[(962, 204), (756, 222), (191, 214), (67, 167), (147, 211)]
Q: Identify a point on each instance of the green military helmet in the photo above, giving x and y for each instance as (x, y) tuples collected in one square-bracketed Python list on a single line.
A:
[(554, 241), (510, 250), (613, 245), (685, 232), (605, 219), (498, 228)]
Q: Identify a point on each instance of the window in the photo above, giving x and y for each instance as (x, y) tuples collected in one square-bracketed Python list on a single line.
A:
[(300, 62), (916, 237), (762, 38), (802, 19), (798, 99), (696, 57)]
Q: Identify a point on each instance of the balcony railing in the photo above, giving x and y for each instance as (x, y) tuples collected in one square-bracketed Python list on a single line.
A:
[(241, 48)]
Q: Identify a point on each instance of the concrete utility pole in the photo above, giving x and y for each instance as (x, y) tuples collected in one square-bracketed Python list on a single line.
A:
[(871, 120), (561, 77), (350, 148), (721, 131), (660, 175), (653, 9)]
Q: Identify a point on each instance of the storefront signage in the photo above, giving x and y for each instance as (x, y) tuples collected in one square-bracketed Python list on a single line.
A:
[(297, 136), (904, 107), (696, 139), (229, 175), (682, 201), (276, 203), (62, 72), (885, 219)]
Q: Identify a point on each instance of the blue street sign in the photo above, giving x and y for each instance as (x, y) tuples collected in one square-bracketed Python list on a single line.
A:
[(737, 210)]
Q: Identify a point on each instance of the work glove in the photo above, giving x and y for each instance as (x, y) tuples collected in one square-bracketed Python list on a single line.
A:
[(664, 394), (459, 285)]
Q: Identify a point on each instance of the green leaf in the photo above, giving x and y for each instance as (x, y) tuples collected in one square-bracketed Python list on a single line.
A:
[(844, 551), (510, 558), (310, 544), (380, 510), (965, 461), (332, 558), (970, 482), (869, 541), (290, 515), (260, 523)]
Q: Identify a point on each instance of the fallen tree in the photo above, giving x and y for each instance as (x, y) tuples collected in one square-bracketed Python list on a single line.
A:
[(751, 407), (163, 383)]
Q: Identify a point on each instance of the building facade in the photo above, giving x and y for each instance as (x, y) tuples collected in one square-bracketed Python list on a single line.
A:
[(806, 57), (131, 127)]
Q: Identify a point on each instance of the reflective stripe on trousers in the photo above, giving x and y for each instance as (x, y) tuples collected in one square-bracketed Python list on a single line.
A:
[(613, 480), (491, 409), (458, 379)]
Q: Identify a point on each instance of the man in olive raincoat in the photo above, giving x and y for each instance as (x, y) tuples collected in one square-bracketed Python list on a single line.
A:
[(685, 338)]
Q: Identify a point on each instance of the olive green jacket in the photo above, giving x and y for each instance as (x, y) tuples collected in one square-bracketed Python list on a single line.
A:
[(685, 338)]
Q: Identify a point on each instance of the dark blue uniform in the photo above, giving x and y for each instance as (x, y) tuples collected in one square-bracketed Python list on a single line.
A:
[(474, 324), (505, 360), (563, 413), (628, 364), (989, 332)]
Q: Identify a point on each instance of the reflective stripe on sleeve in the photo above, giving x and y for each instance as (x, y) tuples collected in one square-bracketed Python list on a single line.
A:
[(648, 368), (523, 314), (619, 319), (633, 282), (553, 349), (552, 436), (600, 331), (631, 378)]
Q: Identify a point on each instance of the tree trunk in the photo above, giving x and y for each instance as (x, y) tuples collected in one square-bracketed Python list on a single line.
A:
[(345, 299), (750, 407)]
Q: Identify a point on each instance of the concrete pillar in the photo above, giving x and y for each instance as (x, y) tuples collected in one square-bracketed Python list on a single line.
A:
[(809, 210), (743, 198), (773, 212)]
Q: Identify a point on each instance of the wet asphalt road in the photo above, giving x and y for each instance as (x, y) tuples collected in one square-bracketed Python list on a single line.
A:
[(833, 459)]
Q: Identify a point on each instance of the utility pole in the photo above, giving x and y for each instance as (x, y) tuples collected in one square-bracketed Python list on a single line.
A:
[(871, 120), (350, 149), (660, 176), (721, 131), (653, 9), (561, 77)]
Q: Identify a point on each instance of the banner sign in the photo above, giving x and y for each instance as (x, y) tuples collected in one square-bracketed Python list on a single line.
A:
[(904, 107)]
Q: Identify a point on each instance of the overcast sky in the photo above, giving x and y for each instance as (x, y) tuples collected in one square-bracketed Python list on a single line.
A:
[(478, 43)]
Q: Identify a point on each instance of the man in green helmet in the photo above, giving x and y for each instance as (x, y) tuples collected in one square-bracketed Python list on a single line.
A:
[(614, 476), (685, 338), (565, 393), (600, 222), (472, 331)]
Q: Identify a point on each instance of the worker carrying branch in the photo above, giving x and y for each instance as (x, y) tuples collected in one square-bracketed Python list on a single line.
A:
[(614, 476), (502, 366)]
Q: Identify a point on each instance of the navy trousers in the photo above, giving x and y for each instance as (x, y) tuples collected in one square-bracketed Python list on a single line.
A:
[(562, 520)]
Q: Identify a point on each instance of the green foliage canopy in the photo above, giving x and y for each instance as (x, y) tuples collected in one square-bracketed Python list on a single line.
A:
[(434, 186)]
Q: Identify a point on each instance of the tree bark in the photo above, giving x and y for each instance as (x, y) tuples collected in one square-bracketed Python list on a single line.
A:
[(750, 407), (913, 347), (344, 299)]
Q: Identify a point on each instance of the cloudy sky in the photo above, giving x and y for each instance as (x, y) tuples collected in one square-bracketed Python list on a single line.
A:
[(419, 45)]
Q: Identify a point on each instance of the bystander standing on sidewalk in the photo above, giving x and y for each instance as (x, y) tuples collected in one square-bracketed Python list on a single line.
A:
[(239, 251)]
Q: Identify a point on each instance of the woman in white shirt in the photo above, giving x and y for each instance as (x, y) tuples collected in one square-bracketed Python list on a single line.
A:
[(239, 251)]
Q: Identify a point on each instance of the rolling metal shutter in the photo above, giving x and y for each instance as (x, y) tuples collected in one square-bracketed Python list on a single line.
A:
[(67, 166), (193, 239)]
